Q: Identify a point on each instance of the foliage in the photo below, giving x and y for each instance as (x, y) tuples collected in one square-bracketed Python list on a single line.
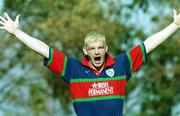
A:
[(63, 24)]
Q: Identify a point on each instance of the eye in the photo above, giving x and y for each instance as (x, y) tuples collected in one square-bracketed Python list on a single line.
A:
[(91, 48), (102, 47)]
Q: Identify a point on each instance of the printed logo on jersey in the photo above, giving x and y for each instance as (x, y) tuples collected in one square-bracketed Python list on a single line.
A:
[(87, 71), (100, 88), (110, 72)]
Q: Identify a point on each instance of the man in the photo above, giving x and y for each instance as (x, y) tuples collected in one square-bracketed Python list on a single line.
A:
[(97, 84)]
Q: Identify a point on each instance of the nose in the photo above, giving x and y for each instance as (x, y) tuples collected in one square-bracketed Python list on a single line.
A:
[(96, 51)]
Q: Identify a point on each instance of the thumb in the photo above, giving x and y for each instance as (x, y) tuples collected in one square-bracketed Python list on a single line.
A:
[(175, 13), (17, 19)]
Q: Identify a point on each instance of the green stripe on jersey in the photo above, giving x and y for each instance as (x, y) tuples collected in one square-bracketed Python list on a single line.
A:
[(64, 67), (143, 53), (97, 98), (50, 56), (130, 60), (98, 79)]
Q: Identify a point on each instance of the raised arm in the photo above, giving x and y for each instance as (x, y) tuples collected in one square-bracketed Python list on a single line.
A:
[(33, 43), (159, 37)]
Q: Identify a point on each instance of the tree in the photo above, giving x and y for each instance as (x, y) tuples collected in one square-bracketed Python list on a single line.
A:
[(62, 25)]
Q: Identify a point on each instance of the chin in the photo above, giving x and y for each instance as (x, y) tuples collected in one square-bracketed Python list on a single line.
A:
[(97, 65)]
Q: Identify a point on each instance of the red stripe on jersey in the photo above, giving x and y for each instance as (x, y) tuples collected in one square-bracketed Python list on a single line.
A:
[(57, 63), (136, 57), (94, 89)]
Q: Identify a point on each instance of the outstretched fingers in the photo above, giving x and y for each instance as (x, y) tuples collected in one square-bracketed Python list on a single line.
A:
[(7, 17), (3, 19), (2, 27), (8, 24), (2, 23)]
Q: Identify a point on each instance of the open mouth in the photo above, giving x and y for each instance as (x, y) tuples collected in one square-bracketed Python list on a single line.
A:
[(97, 58)]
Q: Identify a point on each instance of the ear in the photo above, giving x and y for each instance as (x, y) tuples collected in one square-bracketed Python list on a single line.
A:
[(85, 50), (106, 48)]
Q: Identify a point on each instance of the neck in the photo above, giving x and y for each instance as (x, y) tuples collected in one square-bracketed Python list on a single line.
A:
[(98, 69)]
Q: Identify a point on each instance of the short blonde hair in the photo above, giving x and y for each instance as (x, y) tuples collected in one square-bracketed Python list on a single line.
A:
[(94, 36)]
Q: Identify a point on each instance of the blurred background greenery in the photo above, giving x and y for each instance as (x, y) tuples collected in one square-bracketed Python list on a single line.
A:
[(29, 89)]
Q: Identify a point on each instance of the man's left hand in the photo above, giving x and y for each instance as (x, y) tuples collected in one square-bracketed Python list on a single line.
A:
[(176, 18)]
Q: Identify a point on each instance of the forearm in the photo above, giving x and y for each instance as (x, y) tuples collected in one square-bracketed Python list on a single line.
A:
[(159, 37), (33, 43)]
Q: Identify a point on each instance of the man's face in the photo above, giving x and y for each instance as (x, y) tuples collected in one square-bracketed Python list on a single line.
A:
[(96, 51)]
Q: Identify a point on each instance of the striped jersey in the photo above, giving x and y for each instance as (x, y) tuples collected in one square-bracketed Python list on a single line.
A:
[(93, 93)]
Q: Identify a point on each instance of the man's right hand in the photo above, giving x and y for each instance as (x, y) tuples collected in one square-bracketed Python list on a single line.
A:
[(8, 24), (34, 44)]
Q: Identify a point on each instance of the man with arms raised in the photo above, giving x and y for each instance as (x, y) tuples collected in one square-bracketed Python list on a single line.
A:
[(97, 84)]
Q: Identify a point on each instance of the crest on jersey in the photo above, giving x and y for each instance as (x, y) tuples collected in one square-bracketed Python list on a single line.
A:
[(110, 72)]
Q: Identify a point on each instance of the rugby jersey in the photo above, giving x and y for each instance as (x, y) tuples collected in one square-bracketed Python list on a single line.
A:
[(96, 94)]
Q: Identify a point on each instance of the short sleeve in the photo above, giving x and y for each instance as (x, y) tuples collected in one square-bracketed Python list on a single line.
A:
[(137, 56), (56, 62)]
